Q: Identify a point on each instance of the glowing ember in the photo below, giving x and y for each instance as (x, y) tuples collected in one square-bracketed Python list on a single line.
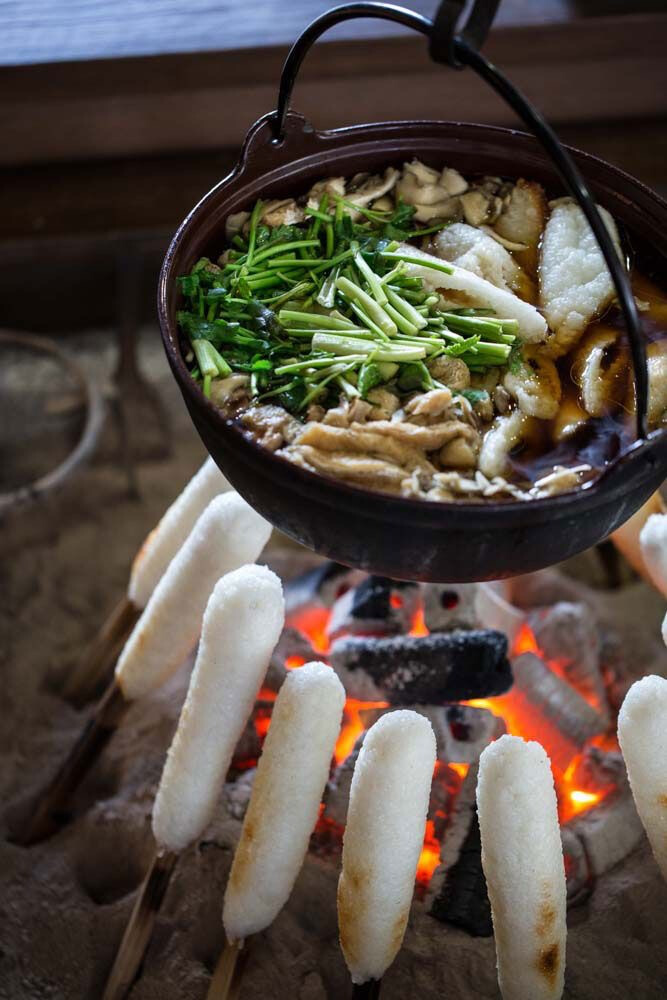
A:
[(520, 716), (353, 726), (313, 623), (429, 859), (418, 624), (525, 642), (460, 769)]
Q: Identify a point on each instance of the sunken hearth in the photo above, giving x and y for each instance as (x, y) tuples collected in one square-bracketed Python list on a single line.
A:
[(538, 656)]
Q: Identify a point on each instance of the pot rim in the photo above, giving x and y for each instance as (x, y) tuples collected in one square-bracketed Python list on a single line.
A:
[(305, 481)]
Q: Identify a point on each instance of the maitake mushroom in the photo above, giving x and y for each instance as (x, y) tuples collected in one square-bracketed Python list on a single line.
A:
[(434, 194)]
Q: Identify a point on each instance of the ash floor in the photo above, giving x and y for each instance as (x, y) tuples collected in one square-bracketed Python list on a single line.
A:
[(64, 903)]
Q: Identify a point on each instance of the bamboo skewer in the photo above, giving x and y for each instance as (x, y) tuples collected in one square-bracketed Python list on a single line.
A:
[(228, 975), (92, 672), (242, 624), (48, 815), (369, 990), (140, 926), (282, 812), (97, 662), (228, 534)]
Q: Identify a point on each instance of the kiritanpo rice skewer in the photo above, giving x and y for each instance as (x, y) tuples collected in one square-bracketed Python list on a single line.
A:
[(228, 534), (653, 541), (150, 563), (522, 857), (242, 624), (635, 541), (383, 839), (283, 809), (642, 733)]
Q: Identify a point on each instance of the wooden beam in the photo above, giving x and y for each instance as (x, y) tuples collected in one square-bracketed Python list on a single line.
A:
[(590, 70)]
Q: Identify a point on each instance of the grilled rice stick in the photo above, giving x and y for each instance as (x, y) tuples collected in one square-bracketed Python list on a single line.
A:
[(653, 543), (150, 563), (522, 857), (228, 534), (472, 290), (286, 795), (242, 623), (166, 538), (642, 733), (383, 840), (575, 284)]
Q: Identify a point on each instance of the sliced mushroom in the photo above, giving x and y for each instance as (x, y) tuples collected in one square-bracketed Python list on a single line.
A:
[(656, 363), (600, 368), (364, 191), (433, 194), (233, 389), (575, 285), (459, 454), (333, 186), (284, 212), (235, 223), (570, 416), (503, 435), (535, 385), (475, 251), (475, 207), (452, 372)]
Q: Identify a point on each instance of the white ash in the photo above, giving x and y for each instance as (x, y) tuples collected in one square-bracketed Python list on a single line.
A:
[(575, 720), (450, 606), (609, 832), (567, 633)]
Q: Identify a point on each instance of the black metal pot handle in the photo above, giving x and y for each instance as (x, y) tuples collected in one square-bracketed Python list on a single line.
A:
[(455, 44)]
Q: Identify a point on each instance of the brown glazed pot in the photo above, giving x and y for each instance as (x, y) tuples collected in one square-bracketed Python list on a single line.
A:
[(408, 539)]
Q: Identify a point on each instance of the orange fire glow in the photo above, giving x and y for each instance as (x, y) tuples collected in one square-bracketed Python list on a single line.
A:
[(429, 859), (520, 716), (418, 624), (353, 726)]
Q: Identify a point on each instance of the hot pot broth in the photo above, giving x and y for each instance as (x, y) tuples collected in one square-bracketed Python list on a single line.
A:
[(423, 334)]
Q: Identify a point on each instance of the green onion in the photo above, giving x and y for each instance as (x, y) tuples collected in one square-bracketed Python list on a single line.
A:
[(353, 293), (334, 344), (372, 279), (422, 261), (210, 361)]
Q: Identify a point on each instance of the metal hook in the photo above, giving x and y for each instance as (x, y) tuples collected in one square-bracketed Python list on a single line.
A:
[(457, 46)]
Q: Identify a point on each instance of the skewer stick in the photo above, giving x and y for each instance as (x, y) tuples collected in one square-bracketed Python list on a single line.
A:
[(93, 670), (228, 534), (282, 811), (242, 624), (49, 814), (140, 926), (367, 991), (97, 661), (228, 975)]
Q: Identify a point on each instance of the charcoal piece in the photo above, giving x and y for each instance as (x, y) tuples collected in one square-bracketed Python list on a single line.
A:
[(567, 633), (378, 606), (319, 587), (463, 900), (433, 669), (449, 606)]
